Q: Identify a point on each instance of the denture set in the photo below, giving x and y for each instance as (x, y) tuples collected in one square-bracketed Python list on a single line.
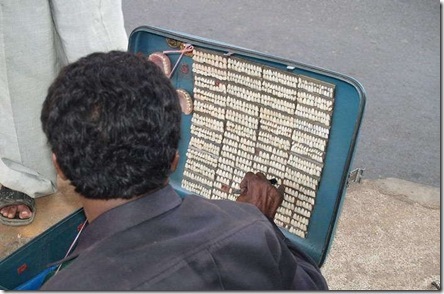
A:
[(253, 117)]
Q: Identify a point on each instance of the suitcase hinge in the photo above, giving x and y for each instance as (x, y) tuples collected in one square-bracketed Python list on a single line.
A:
[(355, 176)]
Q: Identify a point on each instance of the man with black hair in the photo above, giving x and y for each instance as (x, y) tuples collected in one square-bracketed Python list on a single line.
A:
[(113, 123)]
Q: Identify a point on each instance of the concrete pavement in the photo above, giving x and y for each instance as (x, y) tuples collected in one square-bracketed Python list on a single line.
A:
[(388, 238)]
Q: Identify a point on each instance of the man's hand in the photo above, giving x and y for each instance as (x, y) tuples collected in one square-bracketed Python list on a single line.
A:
[(257, 190)]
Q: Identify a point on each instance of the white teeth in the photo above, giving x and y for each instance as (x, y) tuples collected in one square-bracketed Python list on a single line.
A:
[(249, 117)]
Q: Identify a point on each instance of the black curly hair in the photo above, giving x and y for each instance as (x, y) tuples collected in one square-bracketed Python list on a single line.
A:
[(113, 121)]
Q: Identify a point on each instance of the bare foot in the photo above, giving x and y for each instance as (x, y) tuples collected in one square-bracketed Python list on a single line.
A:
[(22, 210)]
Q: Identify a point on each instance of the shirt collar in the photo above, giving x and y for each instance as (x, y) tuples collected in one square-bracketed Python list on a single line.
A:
[(125, 216)]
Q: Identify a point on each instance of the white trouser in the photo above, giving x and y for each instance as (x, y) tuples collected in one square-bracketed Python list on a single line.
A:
[(37, 38)]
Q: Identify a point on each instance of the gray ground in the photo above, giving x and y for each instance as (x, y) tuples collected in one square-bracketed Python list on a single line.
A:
[(391, 46), (388, 238)]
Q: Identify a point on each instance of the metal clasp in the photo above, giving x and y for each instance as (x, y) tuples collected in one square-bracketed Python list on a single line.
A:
[(355, 176)]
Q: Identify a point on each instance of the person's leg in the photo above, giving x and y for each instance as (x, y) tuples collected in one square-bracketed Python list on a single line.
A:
[(28, 65), (87, 26), (80, 27)]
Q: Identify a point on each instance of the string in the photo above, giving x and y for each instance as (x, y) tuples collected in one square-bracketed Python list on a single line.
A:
[(188, 48), (72, 245)]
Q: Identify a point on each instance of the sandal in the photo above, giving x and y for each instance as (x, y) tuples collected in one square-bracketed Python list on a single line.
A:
[(10, 197)]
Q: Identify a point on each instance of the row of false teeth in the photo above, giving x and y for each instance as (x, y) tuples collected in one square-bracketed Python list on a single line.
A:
[(239, 173), (247, 121), (303, 179), (309, 140), (301, 219), (226, 162), (289, 205), (312, 128), (237, 180), (225, 167), (274, 128), (305, 166), (276, 172), (210, 58), (246, 151), (262, 161), (278, 159), (278, 121), (303, 211), (313, 114), (312, 153), (232, 136), (243, 167), (297, 232), (209, 109), (230, 142), (284, 210), (247, 81), (228, 155), (207, 121), (241, 130), (294, 194), (314, 101), (245, 67), (298, 225), (272, 149), (247, 142), (229, 148), (260, 167), (304, 204), (218, 194), (273, 115), (306, 198), (244, 161), (279, 166), (293, 184), (244, 93), (210, 84), (283, 218), (280, 77), (222, 180), (209, 71), (279, 104), (204, 145), (193, 154), (201, 168), (206, 134), (207, 96), (315, 88), (198, 178), (224, 173), (243, 106), (272, 140), (196, 188), (280, 91)]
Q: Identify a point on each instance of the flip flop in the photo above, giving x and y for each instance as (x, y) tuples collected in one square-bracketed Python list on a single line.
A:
[(11, 197)]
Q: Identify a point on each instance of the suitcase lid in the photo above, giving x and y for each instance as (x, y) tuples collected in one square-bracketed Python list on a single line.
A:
[(345, 122)]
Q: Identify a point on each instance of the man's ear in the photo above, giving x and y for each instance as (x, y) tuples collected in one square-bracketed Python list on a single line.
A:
[(57, 167), (175, 161)]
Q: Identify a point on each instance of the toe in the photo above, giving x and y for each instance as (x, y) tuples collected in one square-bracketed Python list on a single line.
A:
[(24, 211), (12, 211)]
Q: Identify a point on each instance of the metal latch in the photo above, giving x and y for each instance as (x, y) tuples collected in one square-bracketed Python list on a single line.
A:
[(355, 176)]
